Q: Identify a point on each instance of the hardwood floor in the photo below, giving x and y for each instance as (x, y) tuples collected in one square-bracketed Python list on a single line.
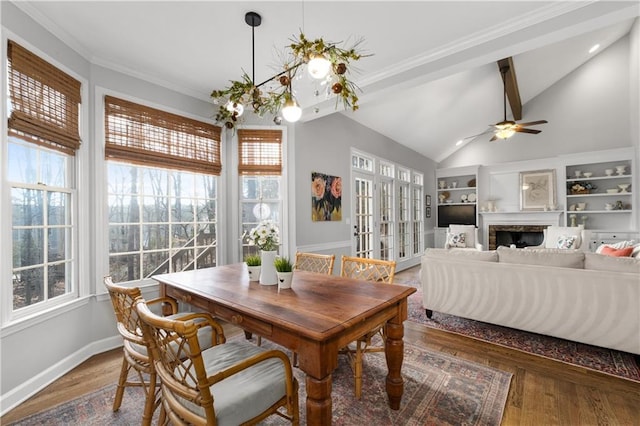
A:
[(542, 392)]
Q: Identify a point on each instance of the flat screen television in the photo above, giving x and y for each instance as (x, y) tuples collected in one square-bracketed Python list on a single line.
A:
[(456, 215)]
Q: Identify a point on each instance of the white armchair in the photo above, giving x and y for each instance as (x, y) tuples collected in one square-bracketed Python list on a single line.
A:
[(462, 236), (566, 237)]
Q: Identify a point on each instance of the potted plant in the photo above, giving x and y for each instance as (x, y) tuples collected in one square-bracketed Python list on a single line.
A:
[(266, 236), (253, 262), (284, 270)]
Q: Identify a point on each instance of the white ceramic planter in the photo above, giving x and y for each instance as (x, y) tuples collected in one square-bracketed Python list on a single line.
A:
[(268, 269), (284, 279), (254, 273)]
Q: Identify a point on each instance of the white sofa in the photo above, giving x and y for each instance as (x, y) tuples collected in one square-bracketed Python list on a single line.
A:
[(583, 297)]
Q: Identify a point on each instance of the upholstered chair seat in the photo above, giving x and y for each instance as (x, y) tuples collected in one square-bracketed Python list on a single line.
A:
[(232, 383)]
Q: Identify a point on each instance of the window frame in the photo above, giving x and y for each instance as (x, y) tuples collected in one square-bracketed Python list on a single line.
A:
[(287, 237), (101, 181), (81, 224), (392, 173)]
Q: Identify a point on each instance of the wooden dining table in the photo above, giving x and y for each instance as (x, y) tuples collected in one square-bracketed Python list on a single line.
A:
[(316, 317)]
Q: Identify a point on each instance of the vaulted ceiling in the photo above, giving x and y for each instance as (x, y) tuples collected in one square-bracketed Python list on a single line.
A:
[(433, 77)]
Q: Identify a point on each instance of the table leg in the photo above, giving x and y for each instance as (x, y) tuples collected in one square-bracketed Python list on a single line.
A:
[(394, 353), (319, 406)]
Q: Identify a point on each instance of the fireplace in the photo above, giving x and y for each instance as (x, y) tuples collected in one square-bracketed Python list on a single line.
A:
[(517, 235)]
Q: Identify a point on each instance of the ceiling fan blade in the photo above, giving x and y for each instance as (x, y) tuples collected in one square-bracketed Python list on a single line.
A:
[(533, 123), (493, 138), (524, 130)]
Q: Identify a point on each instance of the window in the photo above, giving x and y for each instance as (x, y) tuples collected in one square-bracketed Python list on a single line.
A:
[(416, 214), (260, 170), (43, 136), (163, 215), (387, 211)]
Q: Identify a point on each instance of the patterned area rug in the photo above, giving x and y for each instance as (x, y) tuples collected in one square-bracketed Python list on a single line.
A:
[(439, 389), (621, 364)]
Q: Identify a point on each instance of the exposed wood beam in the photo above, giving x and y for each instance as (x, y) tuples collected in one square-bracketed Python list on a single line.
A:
[(511, 84)]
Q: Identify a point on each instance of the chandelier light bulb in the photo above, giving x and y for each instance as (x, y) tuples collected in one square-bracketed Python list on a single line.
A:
[(235, 107), (291, 111), (318, 67)]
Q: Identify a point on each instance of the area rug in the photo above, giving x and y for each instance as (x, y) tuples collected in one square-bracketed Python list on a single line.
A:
[(439, 389), (616, 363)]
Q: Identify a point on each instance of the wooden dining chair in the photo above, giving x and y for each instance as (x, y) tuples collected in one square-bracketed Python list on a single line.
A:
[(313, 262), (368, 270), (228, 384), (137, 355)]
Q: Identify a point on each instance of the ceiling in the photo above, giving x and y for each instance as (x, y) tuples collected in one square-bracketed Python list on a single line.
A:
[(432, 78)]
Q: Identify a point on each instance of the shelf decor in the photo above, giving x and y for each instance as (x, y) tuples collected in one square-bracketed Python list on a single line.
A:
[(537, 189), (581, 188)]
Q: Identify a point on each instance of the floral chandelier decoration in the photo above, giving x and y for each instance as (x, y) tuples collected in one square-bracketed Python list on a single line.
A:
[(325, 62)]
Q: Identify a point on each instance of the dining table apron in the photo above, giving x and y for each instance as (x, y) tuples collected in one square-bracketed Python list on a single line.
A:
[(316, 317)]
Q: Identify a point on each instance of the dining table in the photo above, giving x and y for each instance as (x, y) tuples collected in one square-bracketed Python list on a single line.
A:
[(316, 317)]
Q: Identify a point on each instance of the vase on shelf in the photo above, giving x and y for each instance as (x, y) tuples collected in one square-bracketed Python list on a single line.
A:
[(267, 268)]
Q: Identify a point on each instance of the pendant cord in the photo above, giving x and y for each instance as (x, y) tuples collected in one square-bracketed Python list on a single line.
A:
[(253, 54)]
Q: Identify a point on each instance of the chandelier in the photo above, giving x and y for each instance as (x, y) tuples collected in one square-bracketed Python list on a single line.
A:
[(325, 62)]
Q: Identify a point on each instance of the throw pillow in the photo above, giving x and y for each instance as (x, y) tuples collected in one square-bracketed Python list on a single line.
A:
[(566, 242), (623, 252), (457, 240), (618, 245)]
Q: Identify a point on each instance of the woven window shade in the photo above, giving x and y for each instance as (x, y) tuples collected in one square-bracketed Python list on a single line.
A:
[(150, 137), (260, 152), (44, 101)]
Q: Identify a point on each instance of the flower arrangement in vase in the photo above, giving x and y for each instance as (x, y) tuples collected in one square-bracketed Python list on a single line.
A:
[(266, 237), (253, 262), (284, 270)]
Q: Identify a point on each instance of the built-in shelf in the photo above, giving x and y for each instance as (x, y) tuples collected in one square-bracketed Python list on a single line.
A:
[(608, 171)]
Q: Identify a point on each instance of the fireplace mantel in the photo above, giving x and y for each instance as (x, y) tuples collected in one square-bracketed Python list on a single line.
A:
[(548, 218)]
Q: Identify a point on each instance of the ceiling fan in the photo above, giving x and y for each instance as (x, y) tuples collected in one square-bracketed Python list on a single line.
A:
[(507, 128)]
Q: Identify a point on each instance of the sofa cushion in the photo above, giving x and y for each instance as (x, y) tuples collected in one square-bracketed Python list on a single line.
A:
[(595, 261), (482, 256), (564, 258)]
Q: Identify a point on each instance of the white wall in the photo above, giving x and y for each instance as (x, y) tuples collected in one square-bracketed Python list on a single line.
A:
[(324, 145)]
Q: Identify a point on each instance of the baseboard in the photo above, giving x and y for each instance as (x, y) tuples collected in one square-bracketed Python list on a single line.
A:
[(16, 396)]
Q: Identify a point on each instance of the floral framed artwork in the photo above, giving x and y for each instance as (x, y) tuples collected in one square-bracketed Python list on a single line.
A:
[(537, 189), (326, 197)]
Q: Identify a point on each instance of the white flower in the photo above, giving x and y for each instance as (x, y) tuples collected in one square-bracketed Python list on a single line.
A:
[(265, 236)]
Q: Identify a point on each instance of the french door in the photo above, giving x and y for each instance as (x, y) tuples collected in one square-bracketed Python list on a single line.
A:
[(363, 214)]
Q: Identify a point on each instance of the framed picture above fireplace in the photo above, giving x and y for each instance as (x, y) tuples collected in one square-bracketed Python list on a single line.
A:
[(538, 190)]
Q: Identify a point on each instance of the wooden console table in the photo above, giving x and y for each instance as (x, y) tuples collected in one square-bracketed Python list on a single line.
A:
[(316, 317)]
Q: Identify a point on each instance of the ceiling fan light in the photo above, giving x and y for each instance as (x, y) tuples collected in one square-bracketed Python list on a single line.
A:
[(505, 133), (291, 111), (318, 66)]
